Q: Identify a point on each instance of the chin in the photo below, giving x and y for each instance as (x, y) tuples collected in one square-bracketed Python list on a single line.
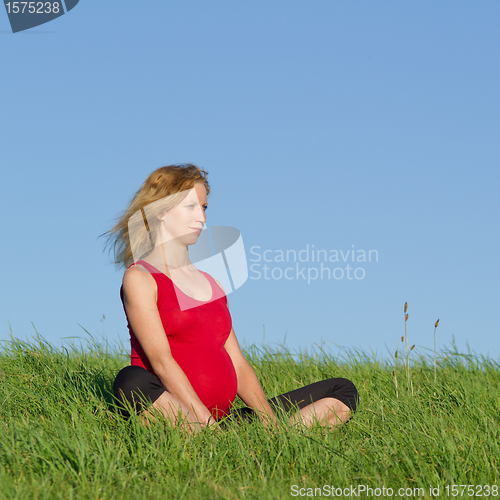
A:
[(190, 239)]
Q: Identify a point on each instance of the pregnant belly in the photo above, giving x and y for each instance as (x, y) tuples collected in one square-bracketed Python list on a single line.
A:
[(213, 378)]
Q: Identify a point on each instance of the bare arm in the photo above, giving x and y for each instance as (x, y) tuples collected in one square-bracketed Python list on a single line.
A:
[(249, 388), (139, 293)]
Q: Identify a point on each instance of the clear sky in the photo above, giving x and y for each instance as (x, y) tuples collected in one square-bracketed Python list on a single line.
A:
[(340, 125)]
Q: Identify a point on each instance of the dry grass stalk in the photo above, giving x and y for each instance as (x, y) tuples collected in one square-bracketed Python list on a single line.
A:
[(435, 326), (410, 385), (394, 373)]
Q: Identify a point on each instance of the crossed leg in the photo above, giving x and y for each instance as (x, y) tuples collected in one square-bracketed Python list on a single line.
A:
[(175, 412), (327, 411), (143, 391), (330, 402), (323, 401)]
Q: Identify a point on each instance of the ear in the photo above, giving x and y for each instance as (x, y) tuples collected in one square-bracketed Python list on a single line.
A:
[(161, 216)]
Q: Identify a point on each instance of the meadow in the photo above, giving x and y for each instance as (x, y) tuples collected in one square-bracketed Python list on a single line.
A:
[(61, 437)]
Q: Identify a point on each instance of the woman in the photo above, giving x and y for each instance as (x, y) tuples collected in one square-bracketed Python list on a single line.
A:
[(186, 362)]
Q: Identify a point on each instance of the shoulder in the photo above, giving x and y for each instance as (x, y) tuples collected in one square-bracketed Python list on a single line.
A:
[(135, 272), (222, 288), (138, 279), (217, 281)]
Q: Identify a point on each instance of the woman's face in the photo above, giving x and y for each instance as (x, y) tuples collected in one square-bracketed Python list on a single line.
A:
[(186, 219)]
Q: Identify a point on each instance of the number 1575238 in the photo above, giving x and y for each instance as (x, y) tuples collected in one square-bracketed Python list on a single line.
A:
[(33, 7)]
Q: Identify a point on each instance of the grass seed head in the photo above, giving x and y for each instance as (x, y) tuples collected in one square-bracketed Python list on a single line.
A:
[(406, 318), (402, 338), (411, 348), (396, 354), (406, 306), (437, 323)]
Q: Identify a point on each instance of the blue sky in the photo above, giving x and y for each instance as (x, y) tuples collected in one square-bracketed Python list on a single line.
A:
[(365, 125)]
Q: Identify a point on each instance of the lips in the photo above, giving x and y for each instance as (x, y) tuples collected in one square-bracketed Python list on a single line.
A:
[(196, 228)]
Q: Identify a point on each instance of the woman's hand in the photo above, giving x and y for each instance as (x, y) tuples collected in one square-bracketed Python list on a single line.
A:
[(269, 421), (213, 424)]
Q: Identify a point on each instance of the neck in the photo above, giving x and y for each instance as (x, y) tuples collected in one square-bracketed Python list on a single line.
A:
[(170, 255)]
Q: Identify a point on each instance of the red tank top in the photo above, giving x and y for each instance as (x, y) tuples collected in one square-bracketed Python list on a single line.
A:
[(196, 337)]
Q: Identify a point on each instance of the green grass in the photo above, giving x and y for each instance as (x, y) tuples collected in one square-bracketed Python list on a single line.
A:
[(60, 437)]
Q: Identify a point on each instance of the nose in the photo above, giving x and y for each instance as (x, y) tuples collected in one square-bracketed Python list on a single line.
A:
[(202, 217)]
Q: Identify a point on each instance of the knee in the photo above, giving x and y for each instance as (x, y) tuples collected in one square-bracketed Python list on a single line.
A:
[(344, 390), (128, 389), (349, 386), (126, 382)]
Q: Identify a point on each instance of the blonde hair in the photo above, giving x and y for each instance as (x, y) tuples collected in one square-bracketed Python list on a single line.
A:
[(134, 233)]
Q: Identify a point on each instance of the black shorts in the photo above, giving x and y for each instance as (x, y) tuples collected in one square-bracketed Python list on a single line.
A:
[(136, 388), (338, 388)]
